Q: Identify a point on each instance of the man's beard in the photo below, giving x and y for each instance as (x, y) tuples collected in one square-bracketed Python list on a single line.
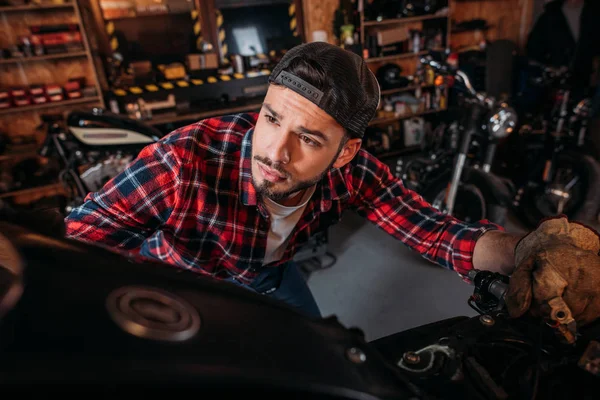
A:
[(266, 188)]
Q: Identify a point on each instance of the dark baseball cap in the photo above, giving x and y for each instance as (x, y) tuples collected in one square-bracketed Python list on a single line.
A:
[(351, 93)]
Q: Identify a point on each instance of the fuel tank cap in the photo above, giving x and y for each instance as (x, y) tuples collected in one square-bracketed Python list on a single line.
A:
[(153, 313)]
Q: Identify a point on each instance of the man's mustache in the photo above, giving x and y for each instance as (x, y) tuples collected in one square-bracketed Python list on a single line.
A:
[(276, 166)]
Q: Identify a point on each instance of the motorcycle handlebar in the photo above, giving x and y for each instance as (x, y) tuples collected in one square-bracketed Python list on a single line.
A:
[(490, 289), (494, 285), (461, 75)]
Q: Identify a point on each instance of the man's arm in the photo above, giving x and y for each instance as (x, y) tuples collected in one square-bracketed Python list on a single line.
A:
[(385, 201), (132, 205), (495, 251)]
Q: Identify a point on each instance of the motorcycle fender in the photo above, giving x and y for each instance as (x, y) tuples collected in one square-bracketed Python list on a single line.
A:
[(494, 189)]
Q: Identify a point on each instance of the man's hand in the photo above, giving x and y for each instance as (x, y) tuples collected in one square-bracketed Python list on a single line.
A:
[(557, 274)]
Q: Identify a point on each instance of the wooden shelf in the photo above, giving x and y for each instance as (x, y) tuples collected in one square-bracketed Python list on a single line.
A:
[(405, 89), (43, 7), (44, 57), (21, 155), (378, 121), (399, 152), (464, 30), (156, 14), (46, 188), (398, 56), (168, 118), (49, 104), (404, 20)]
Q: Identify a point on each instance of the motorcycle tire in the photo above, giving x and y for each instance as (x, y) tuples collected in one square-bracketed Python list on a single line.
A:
[(470, 204), (585, 206)]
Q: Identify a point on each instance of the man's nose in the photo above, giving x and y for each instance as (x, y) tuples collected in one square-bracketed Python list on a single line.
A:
[(279, 150)]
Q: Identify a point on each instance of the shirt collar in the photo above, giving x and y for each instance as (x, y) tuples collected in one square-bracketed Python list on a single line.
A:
[(331, 188)]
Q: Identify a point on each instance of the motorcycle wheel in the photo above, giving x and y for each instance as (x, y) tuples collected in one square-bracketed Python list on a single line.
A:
[(470, 205), (577, 179)]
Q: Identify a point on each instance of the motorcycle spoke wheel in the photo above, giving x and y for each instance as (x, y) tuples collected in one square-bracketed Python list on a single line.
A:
[(469, 205), (562, 195), (573, 191)]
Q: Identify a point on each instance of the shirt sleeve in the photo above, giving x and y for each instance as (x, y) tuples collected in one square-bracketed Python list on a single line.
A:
[(404, 214), (133, 204)]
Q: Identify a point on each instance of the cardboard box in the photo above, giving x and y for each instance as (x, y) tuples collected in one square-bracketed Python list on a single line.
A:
[(386, 37)]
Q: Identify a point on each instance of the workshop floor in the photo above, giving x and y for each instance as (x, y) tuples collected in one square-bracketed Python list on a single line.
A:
[(381, 286)]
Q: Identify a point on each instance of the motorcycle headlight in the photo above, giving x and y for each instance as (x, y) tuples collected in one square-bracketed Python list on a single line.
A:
[(502, 122)]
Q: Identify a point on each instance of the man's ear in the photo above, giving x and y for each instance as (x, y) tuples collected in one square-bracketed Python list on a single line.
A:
[(348, 152)]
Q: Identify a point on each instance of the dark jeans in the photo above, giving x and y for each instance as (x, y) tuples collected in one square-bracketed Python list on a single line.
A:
[(286, 284)]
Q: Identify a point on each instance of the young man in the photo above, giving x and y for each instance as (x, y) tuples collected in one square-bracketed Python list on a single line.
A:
[(234, 197), (566, 35)]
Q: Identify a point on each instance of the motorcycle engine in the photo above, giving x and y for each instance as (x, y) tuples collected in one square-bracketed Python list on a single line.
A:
[(104, 168)]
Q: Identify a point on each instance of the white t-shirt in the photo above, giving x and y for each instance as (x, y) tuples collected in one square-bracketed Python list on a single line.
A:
[(283, 221)]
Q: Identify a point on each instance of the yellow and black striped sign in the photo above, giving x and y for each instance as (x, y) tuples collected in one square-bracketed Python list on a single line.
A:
[(197, 28), (293, 20), (221, 38), (150, 88), (110, 32)]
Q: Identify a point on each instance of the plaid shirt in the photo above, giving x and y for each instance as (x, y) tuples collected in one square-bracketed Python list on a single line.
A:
[(188, 200)]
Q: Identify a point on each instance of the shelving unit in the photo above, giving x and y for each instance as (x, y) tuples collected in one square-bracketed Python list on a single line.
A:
[(395, 57), (44, 57), (405, 89), (404, 58), (166, 119), (41, 70), (408, 62), (37, 107), (407, 20), (33, 190), (379, 121), (35, 7), (364, 25)]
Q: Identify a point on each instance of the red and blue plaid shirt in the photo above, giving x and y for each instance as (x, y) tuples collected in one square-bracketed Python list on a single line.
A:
[(188, 201)]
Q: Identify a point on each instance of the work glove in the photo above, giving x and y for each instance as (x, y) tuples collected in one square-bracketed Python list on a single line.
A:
[(557, 275)]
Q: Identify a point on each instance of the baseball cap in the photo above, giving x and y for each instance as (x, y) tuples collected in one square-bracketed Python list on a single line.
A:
[(351, 93)]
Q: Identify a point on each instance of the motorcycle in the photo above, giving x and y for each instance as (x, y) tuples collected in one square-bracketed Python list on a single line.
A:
[(457, 179), (92, 147), (556, 175), (77, 314)]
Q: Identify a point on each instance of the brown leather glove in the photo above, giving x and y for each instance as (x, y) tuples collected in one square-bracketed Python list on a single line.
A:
[(557, 275)]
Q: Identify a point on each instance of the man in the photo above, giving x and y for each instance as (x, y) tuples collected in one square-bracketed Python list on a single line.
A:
[(234, 197), (566, 35)]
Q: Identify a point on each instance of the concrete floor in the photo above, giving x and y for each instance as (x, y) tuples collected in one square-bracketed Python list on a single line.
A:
[(381, 286)]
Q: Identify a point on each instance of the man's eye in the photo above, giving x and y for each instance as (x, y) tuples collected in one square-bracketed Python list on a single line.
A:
[(271, 119), (308, 141)]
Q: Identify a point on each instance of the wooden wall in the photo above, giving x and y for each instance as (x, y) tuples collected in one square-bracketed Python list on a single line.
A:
[(318, 15), (510, 19)]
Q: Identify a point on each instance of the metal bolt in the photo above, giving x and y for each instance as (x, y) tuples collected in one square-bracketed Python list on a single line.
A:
[(356, 355), (411, 358), (487, 320)]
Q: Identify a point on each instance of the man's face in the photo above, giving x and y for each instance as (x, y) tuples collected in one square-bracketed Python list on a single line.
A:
[(294, 145)]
